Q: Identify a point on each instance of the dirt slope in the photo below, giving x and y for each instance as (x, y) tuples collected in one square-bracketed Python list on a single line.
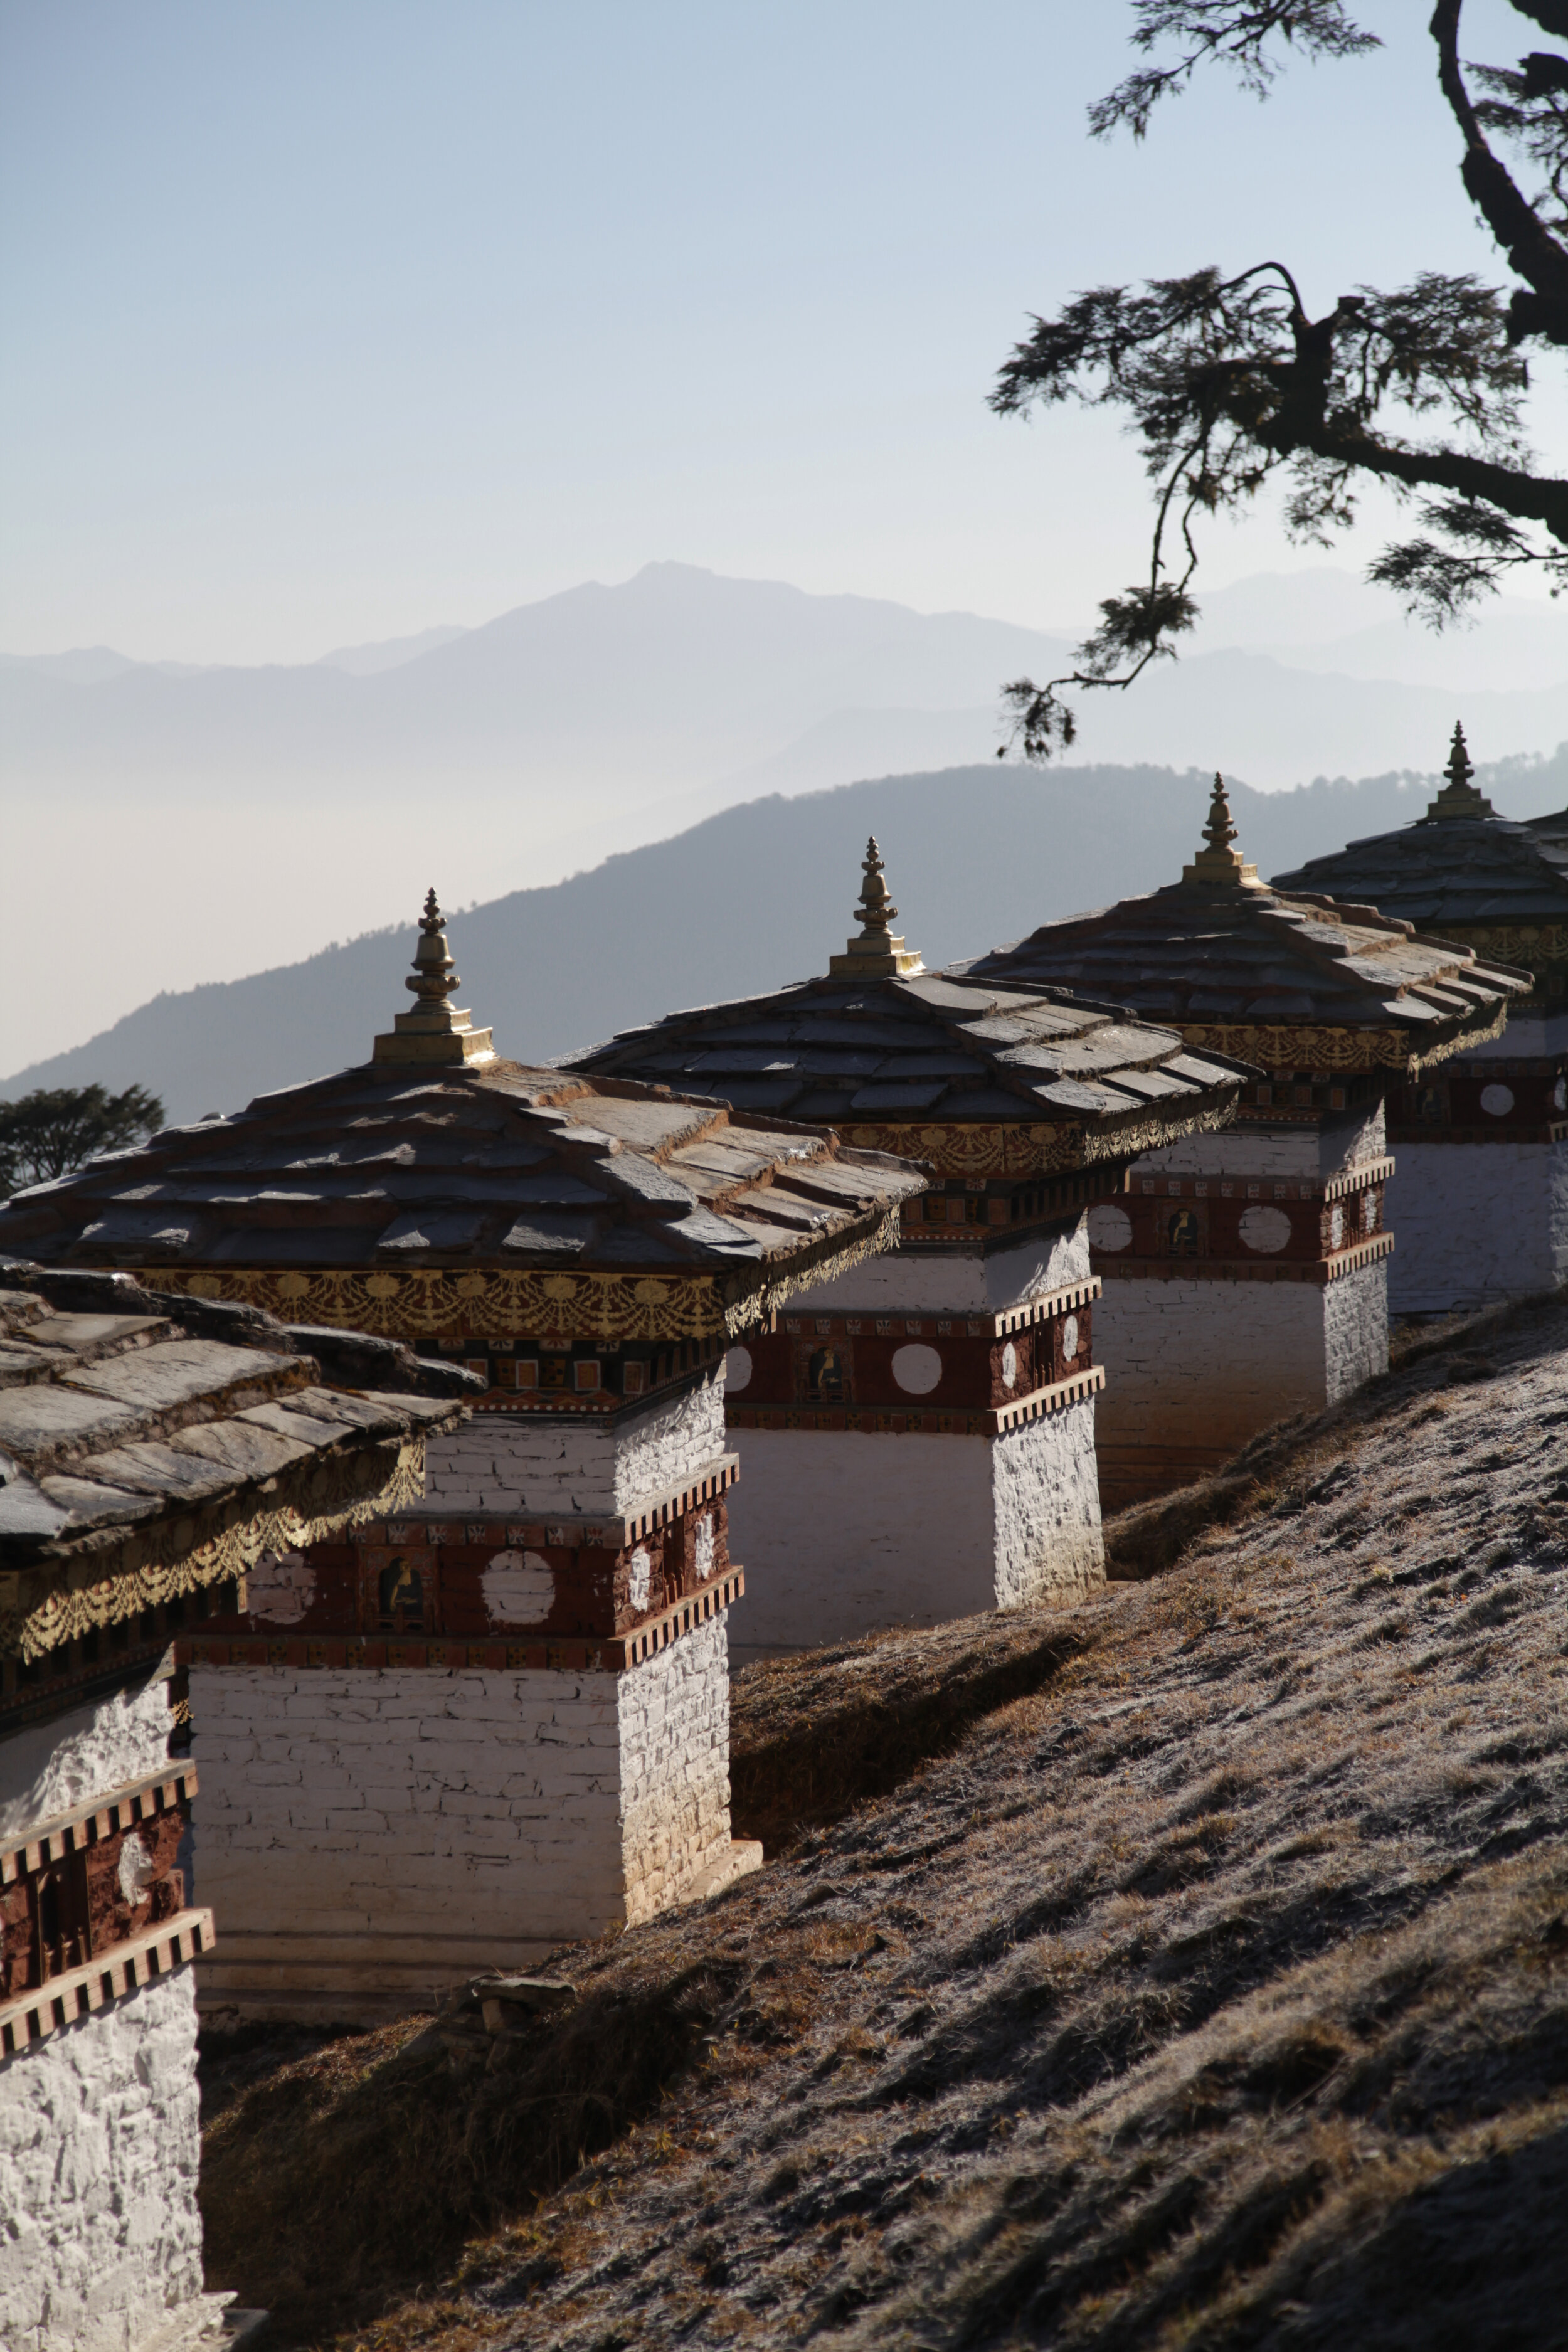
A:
[(1212, 1991)]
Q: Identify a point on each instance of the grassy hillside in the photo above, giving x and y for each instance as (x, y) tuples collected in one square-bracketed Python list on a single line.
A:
[(758, 896), (1186, 1969)]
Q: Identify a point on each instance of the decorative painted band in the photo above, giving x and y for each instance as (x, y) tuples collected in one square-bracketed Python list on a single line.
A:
[(1323, 1047), (524, 1653), (1040, 1310), (613, 1534), (1359, 1179), (95, 1818), (77, 1992), (1321, 1270), (1065, 1301), (1054, 1399), (917, 1422)]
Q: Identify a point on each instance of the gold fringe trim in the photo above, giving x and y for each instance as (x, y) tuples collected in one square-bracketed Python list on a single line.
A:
[(745, 1312), (1333, 1051), (75, 1609)]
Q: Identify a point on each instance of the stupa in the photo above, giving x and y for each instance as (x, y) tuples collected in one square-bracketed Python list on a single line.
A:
[(1481, 1194), (1245, 1273), (156, 1455), (918, 1435), (496, 1718)]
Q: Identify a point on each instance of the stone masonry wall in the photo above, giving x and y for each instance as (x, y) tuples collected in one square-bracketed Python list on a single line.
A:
[(501, 1461), (955, 1281), (100, 2235), (1045, 1499), (1355, 1330), (842, 1533), (367, 1837), (1343, 1139), (52, 1767), (1476, 1222), (675, 1768), (1193, 1369)]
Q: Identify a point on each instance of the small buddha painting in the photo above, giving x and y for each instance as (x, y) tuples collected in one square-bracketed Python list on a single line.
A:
[(828, 1376), (1184, 1233), (1432, 1105), (401, 1594)]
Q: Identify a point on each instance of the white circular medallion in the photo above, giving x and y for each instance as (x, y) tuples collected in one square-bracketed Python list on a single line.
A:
[(1497, 1101), (738, 1370), (518, 1588), (135, 1871), (1265, 1229), (1070, 1337), (1009, 1366), (916, 1369), (1109, 1228)]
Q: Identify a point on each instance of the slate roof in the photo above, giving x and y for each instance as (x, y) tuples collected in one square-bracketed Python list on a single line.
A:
[(1219, 951), (1459, 868), (124, 1412), (878, 1044), (492, 1164)]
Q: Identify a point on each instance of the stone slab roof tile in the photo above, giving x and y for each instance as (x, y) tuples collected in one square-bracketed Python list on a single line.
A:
[(139, 1422), (439, 1153), (1220, 951)]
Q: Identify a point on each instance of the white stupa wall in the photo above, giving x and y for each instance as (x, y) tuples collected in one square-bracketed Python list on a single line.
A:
[(1476, 1223), (1330, 1145), (518, 1461), (845, 1532), (368, 1838), (1194, 1368), (100, 2239)]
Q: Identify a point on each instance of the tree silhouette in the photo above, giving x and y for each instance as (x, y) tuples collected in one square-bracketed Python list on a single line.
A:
[(56, 1129), (1229, 382)]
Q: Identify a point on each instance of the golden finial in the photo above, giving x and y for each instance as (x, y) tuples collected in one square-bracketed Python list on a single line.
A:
[(1459, 796), (435, 1031), (1218, 865), (876, 952)]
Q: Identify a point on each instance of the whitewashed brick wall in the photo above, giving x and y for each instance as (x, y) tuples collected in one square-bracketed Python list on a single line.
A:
[(100, 2235), (1355, 1330), (843, 1533), (366, 1837), (52, 1767), (675, 1768), (512, 1462), (1476, 1222), (1046, 1502), (958, 1280), (1345, 1139), (1200, 1363)]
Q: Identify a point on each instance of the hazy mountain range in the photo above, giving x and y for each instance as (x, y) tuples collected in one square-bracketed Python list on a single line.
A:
[(167, 823), (760, 895)]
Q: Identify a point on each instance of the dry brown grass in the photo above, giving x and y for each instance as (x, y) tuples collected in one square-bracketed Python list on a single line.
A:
[(1187, 1969)]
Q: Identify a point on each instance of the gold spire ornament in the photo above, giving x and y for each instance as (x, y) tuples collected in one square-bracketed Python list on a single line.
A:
[(1218, 867), (877, 954), (1459, 796), (436, 1031)]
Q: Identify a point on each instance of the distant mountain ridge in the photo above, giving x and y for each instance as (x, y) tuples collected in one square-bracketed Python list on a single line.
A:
[(747, 900), (261, 811)]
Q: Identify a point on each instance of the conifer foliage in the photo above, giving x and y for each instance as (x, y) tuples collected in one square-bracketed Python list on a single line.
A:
[(49, 1132), (1230, 381)]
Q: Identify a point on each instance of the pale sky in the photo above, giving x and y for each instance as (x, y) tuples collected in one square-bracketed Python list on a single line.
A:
[(330, 320)]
